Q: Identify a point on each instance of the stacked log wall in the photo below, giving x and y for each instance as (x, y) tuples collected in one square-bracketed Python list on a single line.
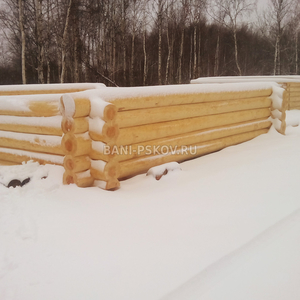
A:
[(30, 122), (101, 140)]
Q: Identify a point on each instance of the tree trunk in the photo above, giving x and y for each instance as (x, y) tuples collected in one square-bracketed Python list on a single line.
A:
[(236, 53), (168, 58), (199, 55), (159, 52), (195, 52), (180, 56), (76, 40), (145, 57), (216, 68), (39, 37), (296, 50), (23, 40), (275, 57), (64, 44), (132, 60)]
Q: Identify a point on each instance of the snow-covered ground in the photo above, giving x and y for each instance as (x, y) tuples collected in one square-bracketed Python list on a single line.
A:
[(226, 226)]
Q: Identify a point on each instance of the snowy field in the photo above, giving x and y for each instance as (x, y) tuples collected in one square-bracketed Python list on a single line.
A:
[(226, 226)]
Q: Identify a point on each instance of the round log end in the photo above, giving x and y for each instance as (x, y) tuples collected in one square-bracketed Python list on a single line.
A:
[(110, 112), (68, 178), (67, 125), (69, 163)]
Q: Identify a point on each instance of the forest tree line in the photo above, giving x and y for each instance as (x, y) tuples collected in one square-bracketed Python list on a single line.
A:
[(145, 42)]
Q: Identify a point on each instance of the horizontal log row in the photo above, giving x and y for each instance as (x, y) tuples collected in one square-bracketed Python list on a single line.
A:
[(190, 138), (34, 125), (177, 112), (139, 165), (31, 89), (169, 100), (30, 142), (16, 156), (134, 135), (30, 106)]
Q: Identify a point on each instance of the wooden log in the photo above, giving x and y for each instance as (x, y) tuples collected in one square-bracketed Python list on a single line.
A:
[(294, 85), (30, 142), (82, 105), (176, 112), (105, 171), (81, 179), (77, 125), (134, 135), (140, 165), (102, 109), (99, 130), (33, 106), (295, 89), (294, 105), (7, 163), (112, 184), (58, 88), (74, 108), (190, 138), (142, 102), (295, 95), (77, 164), (100, 151), (19, 156), (34, 125), (76, 144)]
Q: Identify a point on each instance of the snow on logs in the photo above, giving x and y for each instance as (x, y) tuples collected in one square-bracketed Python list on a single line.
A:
[(86, 121), (30, 122), (158, 125), (111, 134)]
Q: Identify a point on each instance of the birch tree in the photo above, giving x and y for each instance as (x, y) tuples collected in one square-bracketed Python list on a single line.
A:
[(233, 12), (23, 40)]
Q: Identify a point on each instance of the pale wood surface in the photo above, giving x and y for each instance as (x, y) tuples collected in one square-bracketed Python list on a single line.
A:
[(170, 113), (82, 106), (81, 179), (76, 144), (24, 128), (189, 138), (178, 99), (110, 171), (36, 109), (134, 135), (37, 146), (24, 157), (136, 166), (77, 164), (77, 125)]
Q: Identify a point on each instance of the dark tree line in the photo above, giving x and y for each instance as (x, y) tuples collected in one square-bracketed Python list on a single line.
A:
[(145, 42)]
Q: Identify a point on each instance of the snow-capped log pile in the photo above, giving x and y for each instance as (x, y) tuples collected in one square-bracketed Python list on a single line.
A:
[(88, 124), (30, 122), (110, 134), (175, 123), (291, 83)]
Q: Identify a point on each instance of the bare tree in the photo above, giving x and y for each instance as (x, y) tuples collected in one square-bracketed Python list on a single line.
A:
[(274, 21), (232, 13), (185, 10), (23, 40), (64, 43)]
